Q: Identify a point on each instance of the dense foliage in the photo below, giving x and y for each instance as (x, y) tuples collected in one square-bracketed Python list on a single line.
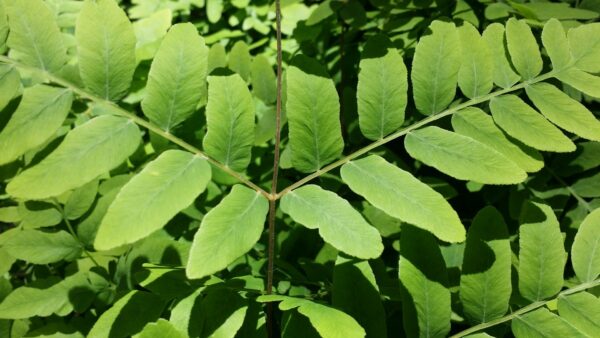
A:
[(416, 168)]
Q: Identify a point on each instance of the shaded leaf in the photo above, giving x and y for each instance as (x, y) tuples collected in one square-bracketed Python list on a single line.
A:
[(504, 76), (542, 256), (485, 281), (355, 292), (40, 113), (425, 299), (328, 321), (128, 315)]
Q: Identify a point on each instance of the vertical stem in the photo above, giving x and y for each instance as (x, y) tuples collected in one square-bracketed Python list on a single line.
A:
[(272, 202)]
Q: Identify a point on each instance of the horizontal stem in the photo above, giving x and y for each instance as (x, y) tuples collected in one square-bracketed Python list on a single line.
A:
[(410, 128), (138, 120), (528, 308)]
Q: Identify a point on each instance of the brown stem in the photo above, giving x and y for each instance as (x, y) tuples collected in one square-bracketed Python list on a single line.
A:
[(272, 202)]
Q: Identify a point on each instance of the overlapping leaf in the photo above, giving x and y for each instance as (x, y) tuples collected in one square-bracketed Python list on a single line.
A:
[(227, 232), (401, 195), (147, 202), (106, 47), (462, 157), (338, 223), (230, 121), (176, 78), (39, 114)]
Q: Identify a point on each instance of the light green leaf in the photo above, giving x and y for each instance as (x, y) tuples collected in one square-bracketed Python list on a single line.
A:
[(435, 68), (426, 307), (523, 49), (485, 283), (542, 323), (476, 124), (585, 46), (214, 9), (556, 44), (227, 232), (313, 110), (525, 124), (10, 83), (329, 322), (584, 82), (585, 252), (355, 292), (150, 199), (176, 78), (9, 215), (320, 13), (239, 60), (263, 79), (462, 157), (88, 151), (547, 10), (217, 57), (587, 186), (3, 27), (128, 315), (542, 256), (582, 311), (563, 111), (149, 32), (40, 113), (382, 89), (475, 77), (35, 35), (402, 196), (503, 74), (106, 47), (229, 121), (162, 328), (30, 301), (39, 247), (338, 222), (38, 214), (81, 200)]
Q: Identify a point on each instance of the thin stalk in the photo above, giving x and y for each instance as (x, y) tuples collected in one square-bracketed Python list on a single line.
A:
[(74, 234), (526, 309), (272, 202), (138, 120), (571, 190), (408, 129)]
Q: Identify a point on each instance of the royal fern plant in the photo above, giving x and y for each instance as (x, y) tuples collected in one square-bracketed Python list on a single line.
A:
[(435, 169)]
